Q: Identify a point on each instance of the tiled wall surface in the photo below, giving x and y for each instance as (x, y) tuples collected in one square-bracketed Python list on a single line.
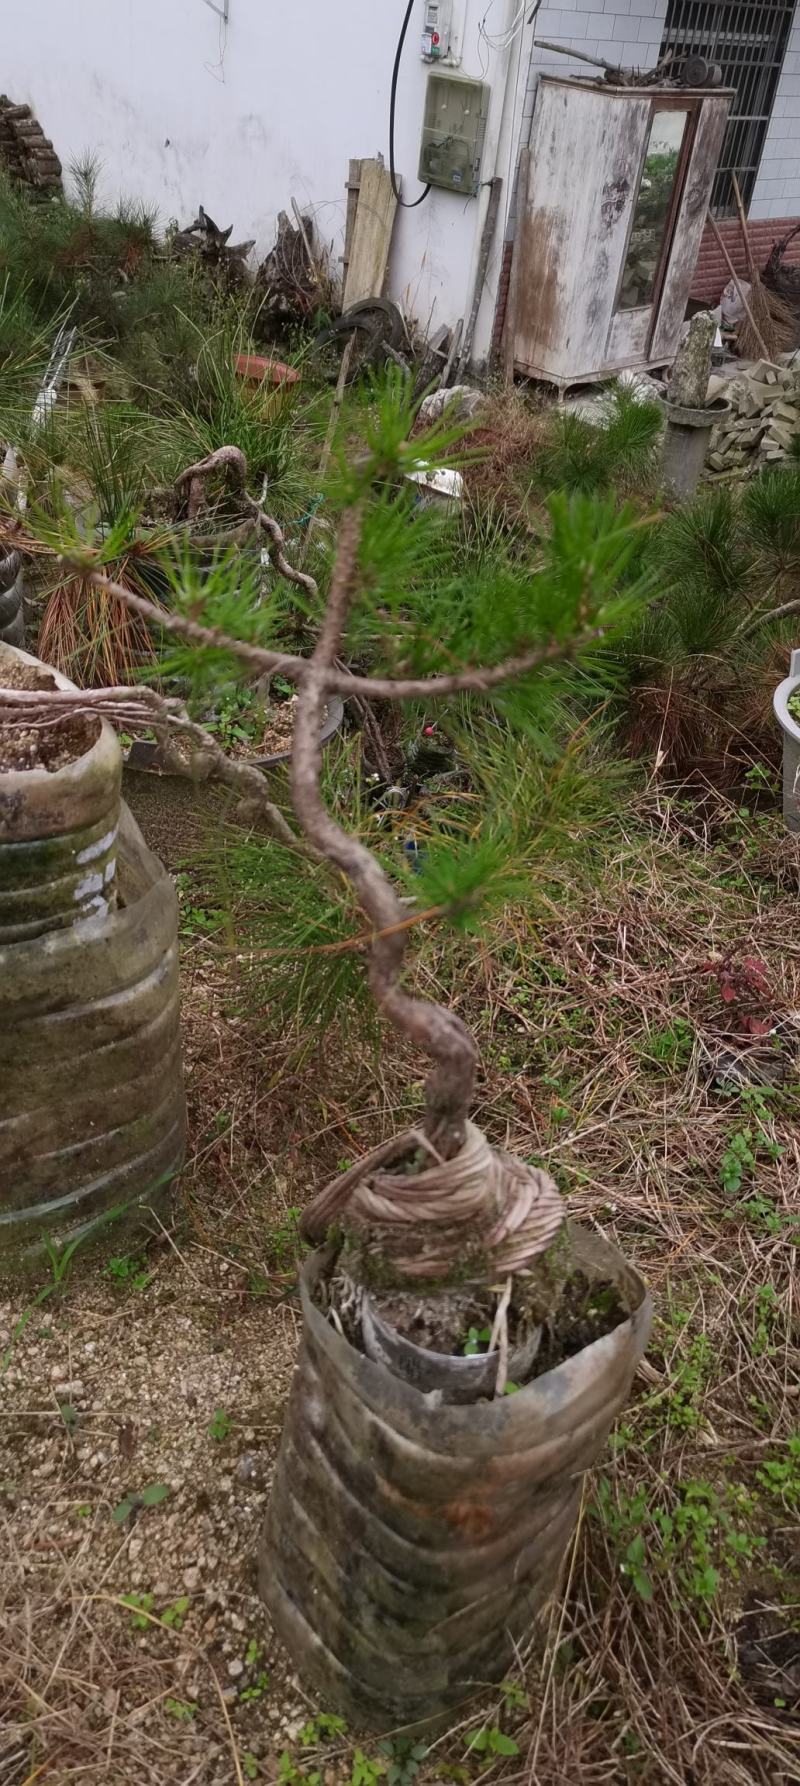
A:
[(777, 188)]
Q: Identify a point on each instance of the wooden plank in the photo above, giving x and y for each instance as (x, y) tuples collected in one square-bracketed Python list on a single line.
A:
[(628, 337), (689, 227), (352, 188), (509, 335), (585, 160), (372, 234)]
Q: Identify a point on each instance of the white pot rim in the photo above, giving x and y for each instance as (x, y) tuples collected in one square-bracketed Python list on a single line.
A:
[(780, 702)]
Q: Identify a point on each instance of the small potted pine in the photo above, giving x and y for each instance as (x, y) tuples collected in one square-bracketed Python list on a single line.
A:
[(252, 721), (465, 1347)]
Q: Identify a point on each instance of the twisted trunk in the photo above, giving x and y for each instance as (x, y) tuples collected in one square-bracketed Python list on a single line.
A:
[(439, 1032)]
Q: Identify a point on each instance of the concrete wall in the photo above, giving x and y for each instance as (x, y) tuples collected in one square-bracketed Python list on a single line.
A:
[(183, 110)]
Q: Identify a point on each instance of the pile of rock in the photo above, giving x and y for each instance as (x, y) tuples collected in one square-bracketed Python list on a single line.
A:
[(764, 418), (26, 152)]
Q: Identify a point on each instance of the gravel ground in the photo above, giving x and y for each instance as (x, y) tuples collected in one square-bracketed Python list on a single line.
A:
[(112, 1391)]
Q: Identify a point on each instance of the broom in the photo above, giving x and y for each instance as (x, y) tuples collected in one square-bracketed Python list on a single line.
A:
[(758, 332)]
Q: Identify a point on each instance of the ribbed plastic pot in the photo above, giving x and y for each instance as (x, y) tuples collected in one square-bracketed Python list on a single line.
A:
[(92, 1110), (790, 728), (409, 1546), (58, 839)]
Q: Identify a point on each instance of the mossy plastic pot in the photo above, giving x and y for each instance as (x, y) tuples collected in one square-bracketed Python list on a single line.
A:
[(58, 839), (92, 1123), (410, 1543), (790, 727), (92, 1111)]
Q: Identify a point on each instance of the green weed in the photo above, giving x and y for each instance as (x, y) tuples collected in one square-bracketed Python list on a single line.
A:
[(671, 1047), (219, 1425), (132, 1503), (404, 1758), (491, 1740), (696, 1542), (324, 1727), (128, 1272), (780, 1476)]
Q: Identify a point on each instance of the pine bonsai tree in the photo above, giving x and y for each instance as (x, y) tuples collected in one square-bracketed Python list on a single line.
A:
[(457, 1554), (431, 630)]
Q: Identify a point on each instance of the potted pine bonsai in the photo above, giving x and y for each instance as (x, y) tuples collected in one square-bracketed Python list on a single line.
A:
[(465, 1347)]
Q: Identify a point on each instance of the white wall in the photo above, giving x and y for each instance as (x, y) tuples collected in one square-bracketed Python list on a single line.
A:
[(184, 111), (777, 188)]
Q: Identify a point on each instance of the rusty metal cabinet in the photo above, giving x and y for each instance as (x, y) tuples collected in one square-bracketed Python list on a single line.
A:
[(614, 194)]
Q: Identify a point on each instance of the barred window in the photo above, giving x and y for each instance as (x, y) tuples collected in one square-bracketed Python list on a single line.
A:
[(748, 39)]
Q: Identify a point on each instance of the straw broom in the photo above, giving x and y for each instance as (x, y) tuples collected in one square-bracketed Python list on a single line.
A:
[(768, 322)]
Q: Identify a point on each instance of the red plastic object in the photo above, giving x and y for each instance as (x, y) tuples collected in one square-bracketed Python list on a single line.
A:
[(258, 369)]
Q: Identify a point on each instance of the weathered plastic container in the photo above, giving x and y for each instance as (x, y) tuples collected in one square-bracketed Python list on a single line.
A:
[(791, 743), (12, 620), (58, 839), (92, 1110), (409, 1544)]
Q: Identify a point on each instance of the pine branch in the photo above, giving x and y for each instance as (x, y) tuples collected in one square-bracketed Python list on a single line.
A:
[(342, 682), (476, 681), (211, 637), (143, 709)]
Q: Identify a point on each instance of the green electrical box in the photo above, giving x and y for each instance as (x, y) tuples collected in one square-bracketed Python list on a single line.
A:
[(452, 132)]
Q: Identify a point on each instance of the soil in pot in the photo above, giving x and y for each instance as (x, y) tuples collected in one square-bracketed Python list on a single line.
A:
[(457, 1326), (28, 747)]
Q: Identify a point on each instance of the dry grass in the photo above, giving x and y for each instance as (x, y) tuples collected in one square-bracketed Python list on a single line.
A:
[(604, 1027), (511, 435), (89, 635)]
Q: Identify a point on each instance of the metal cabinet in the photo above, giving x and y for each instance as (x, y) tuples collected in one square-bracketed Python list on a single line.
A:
[(613, 197)]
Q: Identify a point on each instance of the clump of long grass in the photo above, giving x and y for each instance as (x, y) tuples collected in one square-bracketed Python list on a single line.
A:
[(702, 663), (617, 452)]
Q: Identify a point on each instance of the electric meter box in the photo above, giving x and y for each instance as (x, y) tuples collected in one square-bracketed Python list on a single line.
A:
[(452, 132)]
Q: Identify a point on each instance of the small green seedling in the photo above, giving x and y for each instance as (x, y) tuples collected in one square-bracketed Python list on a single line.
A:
[(738, 1159), (490, 1740), (476, 1341), (128, 1273), (219, 1425), (144, 1618), (290, 1775), (324, 1727), (59, 1260), (173, 1616), (151, 1496), (250, 1765), (182, 1709), (140, 1605), (367, 1770), (514, 1696), (405, 1758), (256, 1690)]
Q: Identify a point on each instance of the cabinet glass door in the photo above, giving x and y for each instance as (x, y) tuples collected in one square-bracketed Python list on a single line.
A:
[(654, 208)]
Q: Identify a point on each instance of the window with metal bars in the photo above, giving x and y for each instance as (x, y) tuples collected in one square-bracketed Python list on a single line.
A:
[(748, 39)]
